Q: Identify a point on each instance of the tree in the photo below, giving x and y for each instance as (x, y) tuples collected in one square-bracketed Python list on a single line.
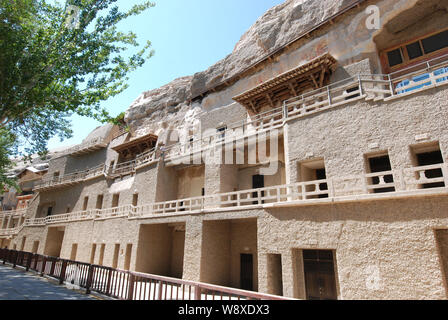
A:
[(57, 60)]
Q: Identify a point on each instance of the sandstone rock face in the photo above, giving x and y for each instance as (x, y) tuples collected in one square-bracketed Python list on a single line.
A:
[(167, 106)]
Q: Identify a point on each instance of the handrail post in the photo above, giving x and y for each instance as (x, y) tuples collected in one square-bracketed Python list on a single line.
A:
[(53, 264), (28, 261), (44, 263), (197, 292), (63, 270), (109, 279), (89, 279), (360, 85), (16, 256), (159, 296), (131, 286), (36, 260), (391, 86)]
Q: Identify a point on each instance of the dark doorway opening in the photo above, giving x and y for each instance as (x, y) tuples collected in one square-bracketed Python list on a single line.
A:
[(247, 272)]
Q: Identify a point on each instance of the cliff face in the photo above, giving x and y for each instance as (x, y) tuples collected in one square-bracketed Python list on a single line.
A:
[(166, 106)]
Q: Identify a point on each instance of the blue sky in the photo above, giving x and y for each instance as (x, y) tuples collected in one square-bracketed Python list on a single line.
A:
[(188, 36)]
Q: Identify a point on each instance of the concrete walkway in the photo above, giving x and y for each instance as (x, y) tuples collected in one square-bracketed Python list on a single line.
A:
[(16, 284)]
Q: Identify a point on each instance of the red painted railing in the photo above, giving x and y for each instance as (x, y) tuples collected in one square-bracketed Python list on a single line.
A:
[(124, 285)]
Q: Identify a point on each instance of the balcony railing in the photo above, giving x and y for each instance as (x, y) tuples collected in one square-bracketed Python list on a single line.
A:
[(12, 213), (123, 168), (70, 179), (130, 167), (414, 181), (423, 76), (124, 285)]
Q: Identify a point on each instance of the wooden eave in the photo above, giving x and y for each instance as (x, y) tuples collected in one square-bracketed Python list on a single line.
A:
[(136, 146), (312, 75)]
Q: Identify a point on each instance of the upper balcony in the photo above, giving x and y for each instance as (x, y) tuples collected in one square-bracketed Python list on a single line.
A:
[(377, 87), (133, 154), (88, 147), (69, 179), (11, 222), (408, 182)]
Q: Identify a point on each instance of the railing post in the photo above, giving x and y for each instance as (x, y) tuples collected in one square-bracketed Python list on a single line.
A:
[(109, 279), (53, 264), (159, 296), (16, 256), (391, 86), (28, 262), (197, 293), (285, 111), (44, 264), (89, 279), (131, 286), (36, 261), (360, 85), (63, 269), (445, 174)]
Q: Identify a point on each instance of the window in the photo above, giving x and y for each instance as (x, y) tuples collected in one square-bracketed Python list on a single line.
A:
[(116, 253), (86, 202), (257, 183), (115, 200), (102, 249), (99, 201), (221, 132), (436, 42), (135, 199), (395, 57), (414, 50), (420, 48), (49, 211), (428, 155), (378, 164), (127, 260), (314, 170)]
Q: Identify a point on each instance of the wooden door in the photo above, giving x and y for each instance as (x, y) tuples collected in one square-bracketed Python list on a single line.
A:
[(320, 280)]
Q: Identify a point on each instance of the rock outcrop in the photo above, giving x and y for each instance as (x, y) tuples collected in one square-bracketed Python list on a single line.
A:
[(280, 25)]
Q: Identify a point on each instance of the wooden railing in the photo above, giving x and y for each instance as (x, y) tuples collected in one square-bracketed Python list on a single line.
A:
[(124, 285)]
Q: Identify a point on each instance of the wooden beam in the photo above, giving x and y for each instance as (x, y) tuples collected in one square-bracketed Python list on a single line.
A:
[(268, 95), (314, 81), (322, 77), (293, 90), (252, 106)]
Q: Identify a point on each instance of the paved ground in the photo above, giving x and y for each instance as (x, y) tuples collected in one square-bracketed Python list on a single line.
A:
[(16, 284)]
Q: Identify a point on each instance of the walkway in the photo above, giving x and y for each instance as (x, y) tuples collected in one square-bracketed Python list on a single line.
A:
[(20, 285)]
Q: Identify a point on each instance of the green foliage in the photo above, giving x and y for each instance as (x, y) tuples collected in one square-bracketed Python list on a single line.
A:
[(55, 63), (6, 145)]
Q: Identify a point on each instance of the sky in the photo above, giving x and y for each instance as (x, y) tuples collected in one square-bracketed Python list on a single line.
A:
[(188, 36)]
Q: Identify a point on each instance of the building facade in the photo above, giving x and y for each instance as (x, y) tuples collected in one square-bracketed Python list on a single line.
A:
[(317, 172)]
